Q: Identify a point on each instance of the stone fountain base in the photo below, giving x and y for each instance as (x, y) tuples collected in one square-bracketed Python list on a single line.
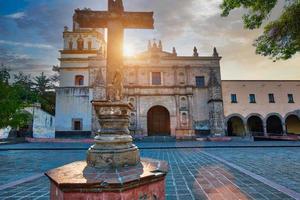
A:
[(79, 181)]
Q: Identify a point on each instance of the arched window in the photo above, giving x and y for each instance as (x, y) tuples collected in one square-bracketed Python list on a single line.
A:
[(70, 45), (89, 45), (80, 43), (79, 80)]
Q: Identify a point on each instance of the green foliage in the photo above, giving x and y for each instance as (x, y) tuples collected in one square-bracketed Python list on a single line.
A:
[(11, 105), (4, 74), (44, 87), (280, 39), (21, 93)]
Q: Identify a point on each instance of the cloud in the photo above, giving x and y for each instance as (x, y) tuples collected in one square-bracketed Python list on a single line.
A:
[(23, 62), (17, 15), (183, 24), (25, 44)]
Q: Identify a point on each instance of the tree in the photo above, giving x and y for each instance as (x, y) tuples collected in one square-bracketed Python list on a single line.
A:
[(281, 38), (24, 85), (42, 83), (44, 87), (23, 80), (4, 74), (11, 105)]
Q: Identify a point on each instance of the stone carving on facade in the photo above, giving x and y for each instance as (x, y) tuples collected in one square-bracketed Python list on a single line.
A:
[(195, 52), (174, 52), (181, 78), (80, 43), (132, 120), (215, 104), (183, 103), (99, 80), (215, 53), (184, 119)]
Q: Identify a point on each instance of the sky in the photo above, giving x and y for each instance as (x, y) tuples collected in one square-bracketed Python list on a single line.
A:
[(31, 35)]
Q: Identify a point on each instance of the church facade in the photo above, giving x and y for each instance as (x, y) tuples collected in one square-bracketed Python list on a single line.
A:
[(172, 95)]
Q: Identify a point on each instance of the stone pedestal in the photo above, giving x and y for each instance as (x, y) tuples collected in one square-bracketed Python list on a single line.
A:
[(113, 168), (113, 144), (78, 181)]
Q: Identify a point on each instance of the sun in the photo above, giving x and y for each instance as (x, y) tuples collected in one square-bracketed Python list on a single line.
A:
[(129, 50)]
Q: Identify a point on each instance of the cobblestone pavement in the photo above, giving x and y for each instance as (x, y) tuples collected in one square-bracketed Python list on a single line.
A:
[(279, 165), (193, 173)]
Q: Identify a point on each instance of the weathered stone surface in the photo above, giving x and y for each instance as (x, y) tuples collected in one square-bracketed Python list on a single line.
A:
[(78, 180), (113, 144)]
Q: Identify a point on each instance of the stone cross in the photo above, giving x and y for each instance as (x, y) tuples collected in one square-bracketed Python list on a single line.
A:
[(115, 20)]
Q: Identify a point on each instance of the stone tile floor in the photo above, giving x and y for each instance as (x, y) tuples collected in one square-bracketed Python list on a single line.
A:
[(193, 174), (151, 145)]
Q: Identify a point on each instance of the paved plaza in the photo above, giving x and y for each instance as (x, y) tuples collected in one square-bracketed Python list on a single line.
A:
[(213, 172)]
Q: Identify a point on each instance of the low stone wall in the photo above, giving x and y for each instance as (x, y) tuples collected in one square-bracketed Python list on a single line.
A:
[(4, 133), (53, 140)]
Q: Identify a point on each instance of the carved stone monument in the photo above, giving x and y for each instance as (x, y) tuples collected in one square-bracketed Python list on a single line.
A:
[(113, 169)]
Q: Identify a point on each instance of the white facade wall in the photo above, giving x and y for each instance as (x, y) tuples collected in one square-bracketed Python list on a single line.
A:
[(73, 103), (4, 132), (67, 78)]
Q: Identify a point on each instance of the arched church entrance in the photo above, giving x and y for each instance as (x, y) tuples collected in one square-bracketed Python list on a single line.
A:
[(255, 126), (292, 124), (158, 121), (274, 125), (235, 126)]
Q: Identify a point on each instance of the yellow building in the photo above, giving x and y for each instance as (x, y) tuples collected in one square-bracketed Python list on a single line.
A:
[(261, 107)]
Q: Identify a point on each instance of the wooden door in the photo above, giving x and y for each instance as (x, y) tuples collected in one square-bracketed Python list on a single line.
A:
[(158, 121)]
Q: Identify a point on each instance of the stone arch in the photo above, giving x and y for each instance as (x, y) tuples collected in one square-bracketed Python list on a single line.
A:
[(292, 122), (170, 107), (274, 123), (254, 115), (271, 114), (295, 112), (235, 115), (158, 121), (255, 124), (235, 126)]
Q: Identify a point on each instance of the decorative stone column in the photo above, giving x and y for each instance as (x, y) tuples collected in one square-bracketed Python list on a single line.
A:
[(215, 105), (265, 130), (113, 146), (284, 129), (247, 132)]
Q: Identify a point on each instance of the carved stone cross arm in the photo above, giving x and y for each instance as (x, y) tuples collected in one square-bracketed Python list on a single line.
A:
[(100, 19)]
